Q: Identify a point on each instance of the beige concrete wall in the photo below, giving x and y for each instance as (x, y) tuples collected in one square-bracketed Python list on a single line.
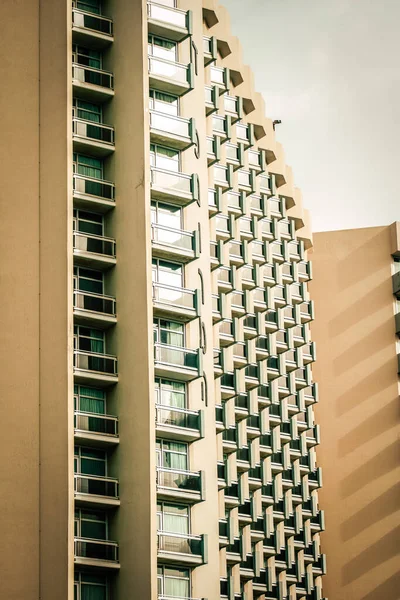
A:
[(134, 526), (19, 321), (358, 412), (36, 557)]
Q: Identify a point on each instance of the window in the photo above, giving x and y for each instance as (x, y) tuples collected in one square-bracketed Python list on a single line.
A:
[(87, 111), (88, 58), (162, 48), (169, 332), (173, 518), (87, 222), (88, 461), (167, 272), (166, 214), (88, 280), (88, 399), (92, 6), (164, 158), (89, 340), (90, 587), (173, 582), (88, 166), (164, 103), (91, 524), (170, 393), (172, 455)]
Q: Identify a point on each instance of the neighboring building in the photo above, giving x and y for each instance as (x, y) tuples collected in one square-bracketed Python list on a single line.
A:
[(155, 315), (357, 329)]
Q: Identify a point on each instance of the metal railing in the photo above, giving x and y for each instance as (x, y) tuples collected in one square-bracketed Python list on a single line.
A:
[(167, 68), (96, 549), (173, 237), (99, 77), (87, 242), (95, 486), (168, 294), (104, 364), (176, 356), (92, 22), (96, 188), (180, 543), (93, 131), (177, 417), (98, 303), (174, 479), (96, 423)]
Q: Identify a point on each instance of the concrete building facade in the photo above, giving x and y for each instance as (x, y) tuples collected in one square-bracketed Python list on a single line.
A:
[(356, 288), (156, 350)]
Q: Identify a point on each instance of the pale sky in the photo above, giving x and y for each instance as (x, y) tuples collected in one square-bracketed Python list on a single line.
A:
[(330, 70)]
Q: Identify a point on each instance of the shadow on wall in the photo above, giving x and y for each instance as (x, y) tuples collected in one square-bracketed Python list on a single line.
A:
[(385, 589), (385, 418), (385, 505), (376, 554)]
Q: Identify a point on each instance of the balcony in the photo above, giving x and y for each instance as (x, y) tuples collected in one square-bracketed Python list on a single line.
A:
[(91, 30), (94, 491), (179, 187), (234, 552), (93, 250), (94, 309), (93, 194), (219, 76), (93, 138), (175, 132), (95, 429), (171, 301), (169, 76), (179, 485), (231, 495), (173, 243), (93, 367), (178, 423), (168, 22), (96, 553), (211, 99), (209, 49), (176, 362), (181, 548), (92, 84), (229, 439)]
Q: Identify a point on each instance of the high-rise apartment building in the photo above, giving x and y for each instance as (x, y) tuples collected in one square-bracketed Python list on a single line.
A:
[(158, 431), (356, 288)]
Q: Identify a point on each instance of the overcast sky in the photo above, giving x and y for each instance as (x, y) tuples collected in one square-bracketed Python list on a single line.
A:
[(329, 69)]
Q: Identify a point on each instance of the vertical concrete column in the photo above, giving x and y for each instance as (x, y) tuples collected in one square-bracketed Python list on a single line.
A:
[(131, 339), (55, 289), (19, 317)]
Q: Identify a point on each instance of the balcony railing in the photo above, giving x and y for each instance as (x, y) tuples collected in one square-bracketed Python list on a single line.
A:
[(96, 423), (179, 132), (174, 23), (174, 479), (176, 356), (178, 543), (160, 234), (169, 183), (171, 295), (92, 76), (177, 417), (96, 549), (91, 22), (99, 303), (95, 132), (95, 244), (169, 75), (94, 362), (96, 486), (93, 189)]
